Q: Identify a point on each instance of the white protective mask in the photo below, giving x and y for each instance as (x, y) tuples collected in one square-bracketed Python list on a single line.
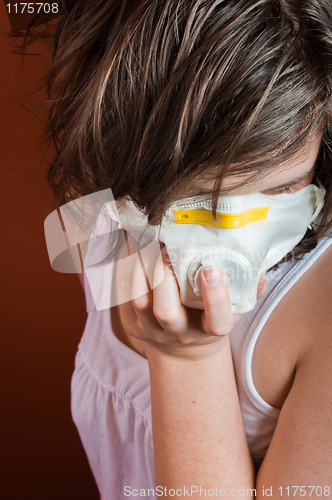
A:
[(254, 232)]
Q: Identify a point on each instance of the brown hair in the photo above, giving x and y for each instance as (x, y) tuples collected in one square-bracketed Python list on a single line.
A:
[(146, 95)]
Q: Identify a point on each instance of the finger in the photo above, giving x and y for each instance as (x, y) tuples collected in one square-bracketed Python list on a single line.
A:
[(262, 286), (167, 306), (217, 318), (141, 293), (149, 256), (122, 273), (138, 311)]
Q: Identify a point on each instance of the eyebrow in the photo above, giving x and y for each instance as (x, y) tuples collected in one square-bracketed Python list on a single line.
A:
[(287, 184), (295, 181)]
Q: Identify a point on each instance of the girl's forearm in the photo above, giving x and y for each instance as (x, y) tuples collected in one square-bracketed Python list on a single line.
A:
[(198, 433)]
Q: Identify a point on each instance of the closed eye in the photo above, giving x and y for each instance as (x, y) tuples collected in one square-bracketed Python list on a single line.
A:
[(287, 189)]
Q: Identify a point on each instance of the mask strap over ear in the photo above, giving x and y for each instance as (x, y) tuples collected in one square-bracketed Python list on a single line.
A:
[(320, 198)]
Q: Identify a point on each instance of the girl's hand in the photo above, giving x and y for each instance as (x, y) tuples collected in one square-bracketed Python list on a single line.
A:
[(159, 318)]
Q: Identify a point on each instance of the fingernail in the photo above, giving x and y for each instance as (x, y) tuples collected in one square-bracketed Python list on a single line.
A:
[(261, 281), (212, 276)]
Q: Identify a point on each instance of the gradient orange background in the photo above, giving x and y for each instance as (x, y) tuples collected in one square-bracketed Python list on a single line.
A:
[(42, 312)]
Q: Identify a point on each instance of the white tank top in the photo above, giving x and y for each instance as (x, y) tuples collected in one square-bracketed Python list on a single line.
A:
[(111, 403), (259, 417)]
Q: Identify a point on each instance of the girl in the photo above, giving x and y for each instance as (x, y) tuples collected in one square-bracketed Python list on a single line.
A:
[(187, 103)]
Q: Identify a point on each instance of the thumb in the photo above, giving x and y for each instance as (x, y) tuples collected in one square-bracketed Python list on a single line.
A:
[(217, 316)]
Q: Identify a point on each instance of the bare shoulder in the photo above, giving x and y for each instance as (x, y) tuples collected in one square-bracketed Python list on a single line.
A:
[(317, 305), (298, 328), (303, 436)]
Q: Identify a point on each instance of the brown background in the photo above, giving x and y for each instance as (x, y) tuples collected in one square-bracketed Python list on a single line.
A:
[(42, 312)]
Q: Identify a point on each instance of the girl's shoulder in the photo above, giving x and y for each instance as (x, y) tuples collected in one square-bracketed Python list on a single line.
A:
[(298, 331), (303, 435), (316, 308)]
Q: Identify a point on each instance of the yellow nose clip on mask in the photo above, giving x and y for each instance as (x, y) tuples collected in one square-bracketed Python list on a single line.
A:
[(229, 221)]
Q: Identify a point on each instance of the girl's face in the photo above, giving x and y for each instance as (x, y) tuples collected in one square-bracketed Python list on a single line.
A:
[(296, 174)]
